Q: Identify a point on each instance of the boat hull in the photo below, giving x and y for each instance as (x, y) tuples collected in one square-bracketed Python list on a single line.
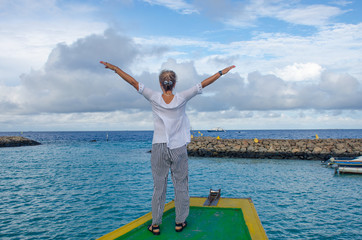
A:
[(352, 163), (349, 170), (234, 218), (349, 164)]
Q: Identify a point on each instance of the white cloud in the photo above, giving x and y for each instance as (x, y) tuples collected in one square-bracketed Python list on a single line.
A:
[(247, 13), (268, 92), (300, 72), (313, 15), (341, 2), (29, 30), (74, 81), (177, 5), (336, 47)]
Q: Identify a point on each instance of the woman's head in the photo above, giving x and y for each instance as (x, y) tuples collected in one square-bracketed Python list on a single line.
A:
[(167, 80)]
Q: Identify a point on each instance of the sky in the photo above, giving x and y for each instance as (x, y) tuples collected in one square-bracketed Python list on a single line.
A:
[(298, 62)]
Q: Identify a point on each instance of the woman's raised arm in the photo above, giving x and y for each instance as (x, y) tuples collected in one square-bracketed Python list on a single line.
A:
[(214, 77), (122, 74)]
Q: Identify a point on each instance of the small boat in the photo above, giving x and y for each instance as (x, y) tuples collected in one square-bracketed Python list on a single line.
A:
[(346, 162), (209, 218), (346, 165), (217, 129)]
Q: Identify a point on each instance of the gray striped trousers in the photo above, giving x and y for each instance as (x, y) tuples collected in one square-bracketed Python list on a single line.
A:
[(162, 160)]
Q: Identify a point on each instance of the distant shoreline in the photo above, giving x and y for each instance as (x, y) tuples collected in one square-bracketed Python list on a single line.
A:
[(16, 141), (307, 149), (192, 130)]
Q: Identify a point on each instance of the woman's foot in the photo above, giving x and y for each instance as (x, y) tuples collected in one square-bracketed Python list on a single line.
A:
[(155, 229), (180, 226)]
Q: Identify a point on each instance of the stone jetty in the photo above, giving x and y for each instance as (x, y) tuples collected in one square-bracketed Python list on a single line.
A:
[(15, 141), (308, 149)]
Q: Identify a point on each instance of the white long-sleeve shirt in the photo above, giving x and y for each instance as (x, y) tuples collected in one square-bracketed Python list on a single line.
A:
[(171, 124)]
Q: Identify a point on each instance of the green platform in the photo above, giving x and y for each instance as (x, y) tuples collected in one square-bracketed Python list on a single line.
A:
[(232, 218), (203, 223)]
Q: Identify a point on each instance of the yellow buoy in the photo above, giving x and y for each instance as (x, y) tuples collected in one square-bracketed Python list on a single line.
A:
[(256, 140), (192, 136), (218, 138), (316, 136), (201, 134)]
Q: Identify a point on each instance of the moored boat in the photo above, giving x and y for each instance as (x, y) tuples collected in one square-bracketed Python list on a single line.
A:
[(346, 165), (209, 218), (345, 162)]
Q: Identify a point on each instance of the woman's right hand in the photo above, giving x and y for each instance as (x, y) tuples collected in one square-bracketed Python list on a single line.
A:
[(122, 74), (108, 65)]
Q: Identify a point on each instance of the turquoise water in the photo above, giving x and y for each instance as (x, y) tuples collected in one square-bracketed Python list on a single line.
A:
[(71, 188)]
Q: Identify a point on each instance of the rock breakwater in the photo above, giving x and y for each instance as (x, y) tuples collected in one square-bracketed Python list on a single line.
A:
[(15, 141), (309, 149)]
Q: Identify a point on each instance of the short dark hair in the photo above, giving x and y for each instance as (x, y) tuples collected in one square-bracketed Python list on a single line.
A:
[(167, 79)]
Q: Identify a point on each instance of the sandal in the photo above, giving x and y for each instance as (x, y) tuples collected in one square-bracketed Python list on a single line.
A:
[(180, 226), (151, 228)]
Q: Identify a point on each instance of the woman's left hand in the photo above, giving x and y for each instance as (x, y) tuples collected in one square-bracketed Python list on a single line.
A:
[(226, 70)]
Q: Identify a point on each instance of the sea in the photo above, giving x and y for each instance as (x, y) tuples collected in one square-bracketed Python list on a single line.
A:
[(82, 185)]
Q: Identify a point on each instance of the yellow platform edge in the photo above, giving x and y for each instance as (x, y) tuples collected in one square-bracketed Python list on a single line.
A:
[(251, 217)]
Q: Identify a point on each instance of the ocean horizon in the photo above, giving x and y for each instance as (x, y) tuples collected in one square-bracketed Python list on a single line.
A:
[(247, 134)]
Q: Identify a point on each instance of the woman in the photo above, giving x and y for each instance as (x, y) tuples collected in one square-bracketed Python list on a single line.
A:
[(171, 135)]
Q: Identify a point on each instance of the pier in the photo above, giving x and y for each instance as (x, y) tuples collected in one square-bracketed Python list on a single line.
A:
[(308, 149)]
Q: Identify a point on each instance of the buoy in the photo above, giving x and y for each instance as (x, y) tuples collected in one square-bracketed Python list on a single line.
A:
[(201, 134), (256, 140), (192, 136), (316, 136), (218, 138)]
